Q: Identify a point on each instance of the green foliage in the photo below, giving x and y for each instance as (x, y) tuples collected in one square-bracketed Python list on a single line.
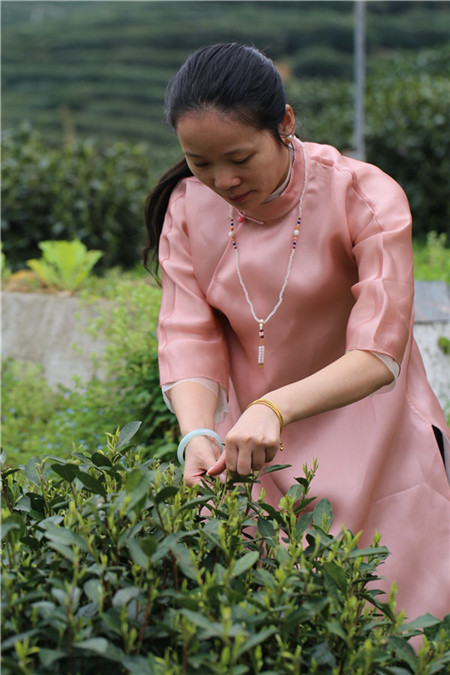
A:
[(407, 135), (444, 344), (407, 132), (4, 269), (37, 419), (131, 361), (28, 404), (112, 563), (78, 191), (64, 265), (114, 58), (432, 258)]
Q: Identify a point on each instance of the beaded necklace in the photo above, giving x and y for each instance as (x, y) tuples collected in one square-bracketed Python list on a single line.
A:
[(261, 322)]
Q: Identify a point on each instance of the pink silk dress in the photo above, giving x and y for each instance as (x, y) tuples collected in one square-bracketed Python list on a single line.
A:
[(351, 287)]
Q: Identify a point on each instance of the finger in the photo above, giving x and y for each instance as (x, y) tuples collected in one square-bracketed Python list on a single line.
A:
[(259, 459), (218, 467), (271, 452), (244, 463), (201, 454), (231, 454), (192, 478)]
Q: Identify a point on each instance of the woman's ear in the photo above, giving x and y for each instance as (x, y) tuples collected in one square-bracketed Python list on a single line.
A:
[(287, 126)]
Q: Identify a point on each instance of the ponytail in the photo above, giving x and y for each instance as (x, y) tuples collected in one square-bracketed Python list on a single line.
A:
[(155, 211)]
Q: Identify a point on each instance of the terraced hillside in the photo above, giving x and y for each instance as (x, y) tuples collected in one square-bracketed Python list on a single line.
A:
[(100, 68)]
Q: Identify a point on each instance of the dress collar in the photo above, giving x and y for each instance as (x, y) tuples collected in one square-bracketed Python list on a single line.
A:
[(281, 205)]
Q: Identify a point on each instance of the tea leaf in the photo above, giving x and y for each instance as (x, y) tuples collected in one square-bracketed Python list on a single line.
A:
[(265, 528), (337, 574), (67, 471), (138, 556), (323, 513), (244, 563), (31, 471), (424, 621), (13, 522), (127, 433), (202, 621), (91, 483), (274, 467), (64, 536), (101, 460), (257, 639), (102, 647), (125, 595), (405, 651), (48, 657), (165, 493)]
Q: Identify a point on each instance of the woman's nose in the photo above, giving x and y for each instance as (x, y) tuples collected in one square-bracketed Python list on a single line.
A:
[(224, 179)]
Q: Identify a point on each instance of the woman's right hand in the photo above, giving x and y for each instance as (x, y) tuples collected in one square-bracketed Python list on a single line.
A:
[(200, 454)]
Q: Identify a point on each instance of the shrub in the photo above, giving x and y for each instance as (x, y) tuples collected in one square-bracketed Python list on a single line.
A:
[(406, 133), (78, 191), (112, 563)]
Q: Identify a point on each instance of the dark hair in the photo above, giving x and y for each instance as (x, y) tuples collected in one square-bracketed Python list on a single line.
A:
[(228, 77)]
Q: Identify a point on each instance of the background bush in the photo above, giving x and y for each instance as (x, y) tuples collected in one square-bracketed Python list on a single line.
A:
[(81, 190), (407, 134), (111, 564), (99, 71)]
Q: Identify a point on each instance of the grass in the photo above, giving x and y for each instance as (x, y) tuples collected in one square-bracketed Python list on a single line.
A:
[(432, 258)]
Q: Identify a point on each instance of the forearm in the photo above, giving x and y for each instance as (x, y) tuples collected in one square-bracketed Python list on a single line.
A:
[(352, 377), (194, 406)]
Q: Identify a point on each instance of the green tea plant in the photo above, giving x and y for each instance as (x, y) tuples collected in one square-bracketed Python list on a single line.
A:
[(111, 564), (64, 264)]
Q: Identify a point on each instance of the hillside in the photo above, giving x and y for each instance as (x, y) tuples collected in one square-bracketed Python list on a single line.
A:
[(77, 69)]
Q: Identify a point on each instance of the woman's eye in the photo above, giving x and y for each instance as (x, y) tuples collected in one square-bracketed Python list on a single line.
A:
[(242, 161)]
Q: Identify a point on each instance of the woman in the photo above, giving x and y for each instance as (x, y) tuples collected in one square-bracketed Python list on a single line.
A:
[(287, 306)]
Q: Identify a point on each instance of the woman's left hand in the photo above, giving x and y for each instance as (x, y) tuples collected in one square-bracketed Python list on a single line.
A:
[(251, 443)]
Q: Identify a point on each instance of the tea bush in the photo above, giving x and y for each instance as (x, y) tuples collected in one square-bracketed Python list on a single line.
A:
[(81, 190), (110, 563)]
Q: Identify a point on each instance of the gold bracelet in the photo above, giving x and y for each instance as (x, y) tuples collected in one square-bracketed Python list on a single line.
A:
[(272, 406)]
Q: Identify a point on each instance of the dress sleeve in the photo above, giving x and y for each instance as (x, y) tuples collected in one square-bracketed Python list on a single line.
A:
[(380, 227), (190, 337), (222, 404)]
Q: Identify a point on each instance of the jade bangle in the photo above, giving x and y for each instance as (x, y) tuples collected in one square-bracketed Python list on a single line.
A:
[(192, 434)]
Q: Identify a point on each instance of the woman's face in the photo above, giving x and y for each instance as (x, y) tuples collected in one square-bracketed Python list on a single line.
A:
[(242, 164)]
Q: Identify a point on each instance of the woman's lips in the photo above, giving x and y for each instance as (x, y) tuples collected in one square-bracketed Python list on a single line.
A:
[(239, 198)]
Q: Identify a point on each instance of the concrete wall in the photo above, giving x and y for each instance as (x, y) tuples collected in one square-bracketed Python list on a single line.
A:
[(50, 330)]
